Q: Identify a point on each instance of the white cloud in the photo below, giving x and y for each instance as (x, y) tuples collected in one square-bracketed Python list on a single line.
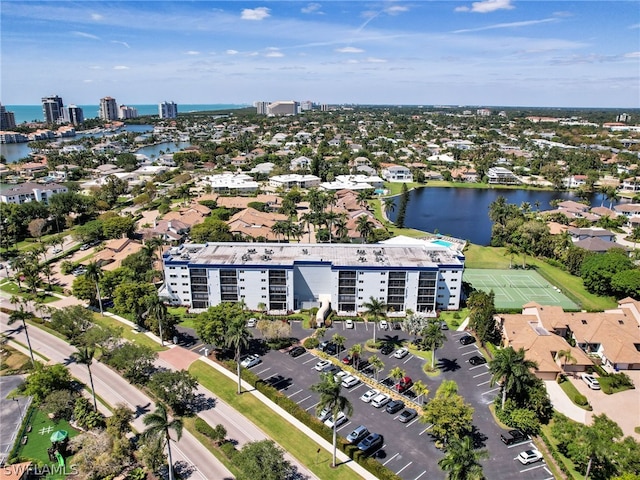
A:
[(192, 52), (232, 52), (375, 60), (396, 10), (121, 43), (95, 67), (274, 54), (87, 81), (259, 13), (632, 55), (349, 50), (524, 23), (486, 6), (121, 67), (85, 35), (312, 8), (637, 25), (96, 16)]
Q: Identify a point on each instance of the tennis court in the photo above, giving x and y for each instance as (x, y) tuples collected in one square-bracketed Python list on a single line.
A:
[(515, 288)]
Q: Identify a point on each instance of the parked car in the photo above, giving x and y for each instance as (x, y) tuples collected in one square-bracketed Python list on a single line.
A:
[(350, 381), (342, 418), (371, 443), (252, 322), (467, 340), (358, 434), (324, 414), (401, 352), (57, 250), (512, 436), (386, 349), (323, 345), (322, 364), (348, 323), (477, 360), (395, 406), (250, 361), (297, 351), (384, 325), (331, 369), (369, 395), (444, 326), (591, 381), (404, 384), (529, 456), (85, 246), (340, 374), (333, 349), (348, 360), (380, 400), (407, 415)]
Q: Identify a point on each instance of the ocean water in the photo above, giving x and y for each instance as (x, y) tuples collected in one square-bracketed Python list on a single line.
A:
[(30, 113)]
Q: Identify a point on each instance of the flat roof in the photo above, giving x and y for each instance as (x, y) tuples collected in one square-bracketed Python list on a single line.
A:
[(354, 255)]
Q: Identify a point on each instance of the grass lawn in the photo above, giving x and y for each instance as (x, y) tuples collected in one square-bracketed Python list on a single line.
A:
[(38, 443), (393, 230), (13, 289), (571, 391), (181, 312), (127, 332), (454, 319), (190, 425), (12, 362), (281, 431)]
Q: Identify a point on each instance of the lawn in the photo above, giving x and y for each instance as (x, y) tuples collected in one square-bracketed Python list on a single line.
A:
[(38, 438), (127, 332), (571, 391), (13, 362), (281, 431), (13, 289)]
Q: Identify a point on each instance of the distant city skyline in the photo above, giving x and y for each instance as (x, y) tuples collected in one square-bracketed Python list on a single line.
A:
[(488, 52)]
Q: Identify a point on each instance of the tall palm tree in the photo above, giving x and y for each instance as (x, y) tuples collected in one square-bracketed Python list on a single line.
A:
[(339, 341), (511, 250), (17, 265), (433, 337), (237, 337), (94, 273), (341, 227), (355, 351), (22, 315), (566, 356), (389, 204), (158, 309), (397, 373), (377, 364), (159, 426), (375, 308), (512, 368), (364, 226), (330, 398), (462, 461), (420, 389), (84, 356)]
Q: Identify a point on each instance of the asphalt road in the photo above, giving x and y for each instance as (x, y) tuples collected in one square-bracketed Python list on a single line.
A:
[(188, 454), (408, 449)]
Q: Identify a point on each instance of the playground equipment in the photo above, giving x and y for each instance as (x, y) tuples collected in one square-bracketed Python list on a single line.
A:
[(60, 459)]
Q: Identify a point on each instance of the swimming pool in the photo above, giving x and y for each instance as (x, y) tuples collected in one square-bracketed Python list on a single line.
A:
[(442, 243), (379, 191)]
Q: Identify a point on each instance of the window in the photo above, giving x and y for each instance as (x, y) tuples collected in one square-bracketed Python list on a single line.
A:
[(584, 322)]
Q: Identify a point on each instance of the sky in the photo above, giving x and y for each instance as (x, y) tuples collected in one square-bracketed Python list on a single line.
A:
[(488, 52)]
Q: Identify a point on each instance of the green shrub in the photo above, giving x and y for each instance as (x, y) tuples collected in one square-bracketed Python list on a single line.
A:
[(581, 400), (228, 449), (310, 342)]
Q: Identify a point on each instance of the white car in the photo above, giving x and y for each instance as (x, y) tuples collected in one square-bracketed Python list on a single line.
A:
[(350, 381), (348, 323), (380, 400), (591, 381), (384, 325), (529, 456), (252, 322), (324, 414), (250, 361), (340, 375), (57, 250), (401, 352), (321, 365), (342, 418), (369, 395)]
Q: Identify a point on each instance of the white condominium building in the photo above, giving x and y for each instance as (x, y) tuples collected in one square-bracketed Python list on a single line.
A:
[(285, 277)]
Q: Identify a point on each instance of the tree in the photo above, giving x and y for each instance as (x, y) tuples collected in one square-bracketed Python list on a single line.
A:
[(45, 379), (210, 325), (377, 364), (433, 337), (375, 308), (510, 367), (565, 356), (450, 416), (133, 297), (364, 226), (262, 460), (93, 273), (330, 398), (157, 311), (355, 351), (481, 316), (397, 373), (176, 389), (133, 361), (339, 341), (598, 270), (237, 337), (461, 461), (84, 356), (119, 423), (159, 426), (420, 389), (22, 315), (389, 204)]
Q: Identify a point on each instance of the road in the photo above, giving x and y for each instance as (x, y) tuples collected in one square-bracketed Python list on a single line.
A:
[(113, 389)]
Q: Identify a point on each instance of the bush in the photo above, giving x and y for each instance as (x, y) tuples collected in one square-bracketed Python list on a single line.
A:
[(229, 450), (216, 434), (581, 400), (310, 342), (280, 343)]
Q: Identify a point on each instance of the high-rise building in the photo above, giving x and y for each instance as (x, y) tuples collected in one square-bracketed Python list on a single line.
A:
[(73, 114), (262, 108), (125, 112), (7, 119), (52, 109), (288, 107), (306, 106), (108, 109), (167, 110)]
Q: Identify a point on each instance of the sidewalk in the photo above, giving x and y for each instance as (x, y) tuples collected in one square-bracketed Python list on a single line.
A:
[(563, 404)]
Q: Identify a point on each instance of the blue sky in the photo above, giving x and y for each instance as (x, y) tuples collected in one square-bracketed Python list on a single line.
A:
[(487, 52)]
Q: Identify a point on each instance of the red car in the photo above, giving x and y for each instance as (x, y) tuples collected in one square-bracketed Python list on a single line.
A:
[(404, 384), (348, 360)]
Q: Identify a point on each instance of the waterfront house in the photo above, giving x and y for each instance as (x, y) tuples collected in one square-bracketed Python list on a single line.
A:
[(396, 173)]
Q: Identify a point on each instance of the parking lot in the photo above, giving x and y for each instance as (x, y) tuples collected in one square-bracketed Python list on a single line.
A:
[(408, 450)]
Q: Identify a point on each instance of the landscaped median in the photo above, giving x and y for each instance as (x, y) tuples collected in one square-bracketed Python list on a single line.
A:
[(286, 426)]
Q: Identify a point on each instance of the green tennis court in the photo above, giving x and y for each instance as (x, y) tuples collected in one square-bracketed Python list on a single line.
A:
[(515, 288)]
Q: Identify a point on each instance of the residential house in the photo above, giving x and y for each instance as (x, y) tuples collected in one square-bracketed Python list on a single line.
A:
[(300, 163), (631, 184), (396, 173), (578, 234), (597, 245), (115, 251), (574, 181), (171, 230), (29, 192), (464, 174), (254, 224), (502, 176)]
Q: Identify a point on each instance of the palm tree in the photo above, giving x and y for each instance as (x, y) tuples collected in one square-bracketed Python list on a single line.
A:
[(377, 364), (94, 272), (339, 341), (330, 398), (159, 426), (158, 309), (389, 204), (397, 373), (512, 368), (22, 315), (420, 389), (341, 227), (566, 356), (364, 226), (510, 250), (462, 461), (237, 336), (375, 308), (84, 356), (355, 351), (433, 337), (17, 265), (362, 197)]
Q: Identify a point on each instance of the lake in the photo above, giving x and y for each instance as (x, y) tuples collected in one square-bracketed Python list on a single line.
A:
[(464, 212)]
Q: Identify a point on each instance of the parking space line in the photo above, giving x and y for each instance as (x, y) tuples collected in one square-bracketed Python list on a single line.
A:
[(262, 371), (305, 398), (342, 426), (295, 393), (428, 428), (391, 458), (358, 386), (490, 391), (478, 366), (548, 471), (398, 472), (470, 353), (467, 346), (412, 422), (312, 406), (420, 475), (518, 444), (313, 357), (483, 383), (481, 374), (532, 468), (305, 354)]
